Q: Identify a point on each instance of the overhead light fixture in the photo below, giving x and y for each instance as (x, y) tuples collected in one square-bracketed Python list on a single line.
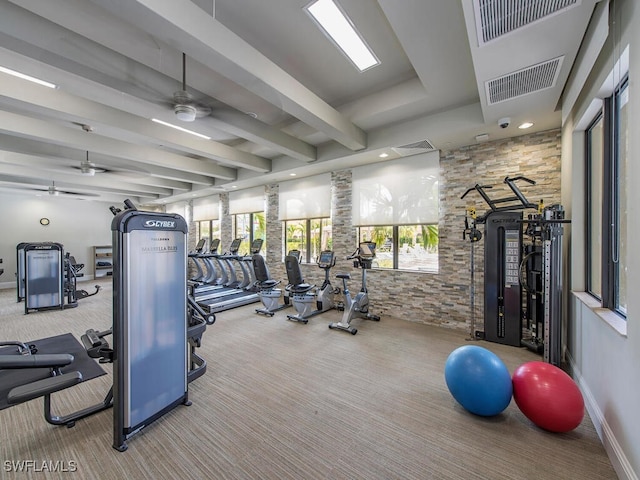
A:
[(87, 168), (28, 77), (340, 29), (185, 113), (166, 124), (53, 190), (383, 155), (525, 125), (292, 174)]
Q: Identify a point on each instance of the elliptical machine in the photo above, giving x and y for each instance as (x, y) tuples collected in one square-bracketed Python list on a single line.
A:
[(303, 294), (358, 306)]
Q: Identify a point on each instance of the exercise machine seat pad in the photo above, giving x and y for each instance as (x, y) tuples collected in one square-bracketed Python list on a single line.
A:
[(50, 360), (43, 387)]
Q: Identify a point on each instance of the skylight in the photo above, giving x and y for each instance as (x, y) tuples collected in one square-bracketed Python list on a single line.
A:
[(340, 29)]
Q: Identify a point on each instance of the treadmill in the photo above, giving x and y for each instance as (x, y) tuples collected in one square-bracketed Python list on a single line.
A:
[(244, 292)]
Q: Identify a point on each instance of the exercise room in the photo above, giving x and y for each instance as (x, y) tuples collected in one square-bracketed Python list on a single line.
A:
[(319, 239)]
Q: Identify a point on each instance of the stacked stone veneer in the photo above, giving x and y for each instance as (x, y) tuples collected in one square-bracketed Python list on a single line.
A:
[(441, 298)]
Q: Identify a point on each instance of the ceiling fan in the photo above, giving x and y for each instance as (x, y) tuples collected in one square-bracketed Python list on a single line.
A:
[(185, 108), (89, 168), (55, 192)]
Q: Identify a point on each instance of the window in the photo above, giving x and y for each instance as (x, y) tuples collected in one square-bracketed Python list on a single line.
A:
[(595, 165), (248, 227), (310, 236), (395, 204), (403, 247), (305, 208), (620, 250), (606, 202), (246, 208), (206, 214)]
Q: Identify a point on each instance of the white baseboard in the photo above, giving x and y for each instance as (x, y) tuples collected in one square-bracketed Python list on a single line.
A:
[(614, 450)]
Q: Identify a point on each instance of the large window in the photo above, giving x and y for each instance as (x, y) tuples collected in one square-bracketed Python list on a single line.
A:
[(206, 214), (395, 204), (249, 227), (305, 208), (403, 247), (246, 208), (309, 236), (606, 201)]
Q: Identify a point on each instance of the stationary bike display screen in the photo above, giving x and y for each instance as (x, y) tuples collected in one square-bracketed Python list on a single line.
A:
[(326, 259), (368, 249)]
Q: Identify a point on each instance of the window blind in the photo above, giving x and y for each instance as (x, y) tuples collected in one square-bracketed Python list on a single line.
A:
[(397, 192), (207, 208), (247, 201), (305, 198)]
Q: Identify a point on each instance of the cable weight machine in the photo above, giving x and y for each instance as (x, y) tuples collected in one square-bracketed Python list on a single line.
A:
[(522, 279)]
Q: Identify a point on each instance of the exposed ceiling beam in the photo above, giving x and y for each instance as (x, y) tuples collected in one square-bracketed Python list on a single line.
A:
[(184, 24), (224, 117), (30, 166), (60, 135), (80, 110)]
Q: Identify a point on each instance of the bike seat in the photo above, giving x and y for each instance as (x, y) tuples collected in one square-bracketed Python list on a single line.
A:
[(268, 284), (301, 288), (344, 275)]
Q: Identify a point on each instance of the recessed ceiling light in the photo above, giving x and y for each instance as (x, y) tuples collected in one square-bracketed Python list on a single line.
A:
[(383, 155), (234, 186), (166, 124), (525, 125), (292, 174), (28, 77), (340, 29)]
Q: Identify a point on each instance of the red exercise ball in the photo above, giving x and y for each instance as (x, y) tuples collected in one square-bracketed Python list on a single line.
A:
[(547, 396)]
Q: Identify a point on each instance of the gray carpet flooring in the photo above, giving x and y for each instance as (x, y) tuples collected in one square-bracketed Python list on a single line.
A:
[(284, 400)]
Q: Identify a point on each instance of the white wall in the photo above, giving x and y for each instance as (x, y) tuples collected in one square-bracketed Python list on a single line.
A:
[(604, 350), (77, 224)]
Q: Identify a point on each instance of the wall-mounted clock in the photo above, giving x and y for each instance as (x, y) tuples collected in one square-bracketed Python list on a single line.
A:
[(44, 221)]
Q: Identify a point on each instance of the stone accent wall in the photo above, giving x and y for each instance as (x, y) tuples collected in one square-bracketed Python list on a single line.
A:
[(535, 156), (441, 298), (274, 241), (226, 223), (444, 298)]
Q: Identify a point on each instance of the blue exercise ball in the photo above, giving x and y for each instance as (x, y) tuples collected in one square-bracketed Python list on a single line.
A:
[(478, 380)]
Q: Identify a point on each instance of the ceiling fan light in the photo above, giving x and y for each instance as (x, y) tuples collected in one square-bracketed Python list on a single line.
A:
[(87, 169), (53, 191), (185, 113)]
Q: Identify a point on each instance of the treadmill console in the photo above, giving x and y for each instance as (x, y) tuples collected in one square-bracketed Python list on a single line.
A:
[(200, 245), (256, 246), (235, 246)]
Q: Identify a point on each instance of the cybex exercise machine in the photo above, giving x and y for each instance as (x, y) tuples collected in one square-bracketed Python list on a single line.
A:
[(47, 277), (522, 280), (358, 306)]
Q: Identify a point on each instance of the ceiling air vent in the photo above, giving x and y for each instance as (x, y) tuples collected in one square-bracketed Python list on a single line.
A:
[(528, 80), (422, 146), (495, 18)]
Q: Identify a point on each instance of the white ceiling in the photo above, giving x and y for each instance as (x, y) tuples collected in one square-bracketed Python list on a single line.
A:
[(284, 100)]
